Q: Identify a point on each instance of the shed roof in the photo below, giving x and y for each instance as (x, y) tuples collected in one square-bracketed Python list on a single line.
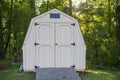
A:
[(53, 11), (37, 19)]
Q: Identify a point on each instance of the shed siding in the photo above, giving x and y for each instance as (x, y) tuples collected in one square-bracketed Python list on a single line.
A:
[(29, 51)]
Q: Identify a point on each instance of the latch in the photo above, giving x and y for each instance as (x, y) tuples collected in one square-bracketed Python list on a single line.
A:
[(56, 43)]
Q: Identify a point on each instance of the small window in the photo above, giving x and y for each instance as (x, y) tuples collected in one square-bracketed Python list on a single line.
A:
[(55, 15)]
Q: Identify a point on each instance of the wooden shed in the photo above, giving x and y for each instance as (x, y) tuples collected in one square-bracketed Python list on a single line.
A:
[(54, 40)]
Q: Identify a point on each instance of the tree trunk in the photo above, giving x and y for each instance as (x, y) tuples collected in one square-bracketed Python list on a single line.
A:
[(70, 7), (1, 40), (47, 5), (15, 40), (32, 6), (109, 15), (118, 22), (9, 29)]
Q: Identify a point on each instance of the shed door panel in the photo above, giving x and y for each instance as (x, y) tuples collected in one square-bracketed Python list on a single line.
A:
[(45, 49), (64, 49)]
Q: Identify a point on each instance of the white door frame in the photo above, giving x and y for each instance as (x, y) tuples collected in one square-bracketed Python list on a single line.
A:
[(55, 45)]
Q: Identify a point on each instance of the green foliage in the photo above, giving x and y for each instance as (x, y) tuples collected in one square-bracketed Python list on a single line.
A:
[(5, 62), (99, 33), (21, 16)]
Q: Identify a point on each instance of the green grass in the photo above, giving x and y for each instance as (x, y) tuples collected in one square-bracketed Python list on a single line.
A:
[(100, 75), (11, 73)]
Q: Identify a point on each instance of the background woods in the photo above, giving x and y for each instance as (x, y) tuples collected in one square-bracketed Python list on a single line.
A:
[(99, 21)]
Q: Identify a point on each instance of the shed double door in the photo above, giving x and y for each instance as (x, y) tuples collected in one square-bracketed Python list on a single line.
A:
[(54, 45)]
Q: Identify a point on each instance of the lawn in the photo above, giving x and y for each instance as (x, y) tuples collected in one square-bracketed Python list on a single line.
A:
[(91, 74), (14, 75), (11, 73)]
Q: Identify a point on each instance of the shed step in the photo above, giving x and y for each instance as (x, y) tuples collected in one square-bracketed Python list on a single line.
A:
[(56, 74)]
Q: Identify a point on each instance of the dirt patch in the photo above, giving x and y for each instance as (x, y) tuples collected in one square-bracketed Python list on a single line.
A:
[(2, 68)]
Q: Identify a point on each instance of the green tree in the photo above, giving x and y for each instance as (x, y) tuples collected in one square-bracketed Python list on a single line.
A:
[(97, 20)]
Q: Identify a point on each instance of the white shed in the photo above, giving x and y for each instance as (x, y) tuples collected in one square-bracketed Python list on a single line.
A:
[(54, 40)]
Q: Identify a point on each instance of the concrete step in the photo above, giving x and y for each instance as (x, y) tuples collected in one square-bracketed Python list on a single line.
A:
[(56, 74)]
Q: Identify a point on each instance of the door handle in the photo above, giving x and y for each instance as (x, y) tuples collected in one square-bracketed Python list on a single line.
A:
[(56, 43)]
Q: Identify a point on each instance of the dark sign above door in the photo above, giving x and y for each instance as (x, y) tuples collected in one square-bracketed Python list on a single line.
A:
[(54, 15)]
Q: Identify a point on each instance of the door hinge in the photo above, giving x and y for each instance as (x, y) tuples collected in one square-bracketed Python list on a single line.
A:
[(73, 24), (36, 43), (72, 44), (73, 66), (36, 24)]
